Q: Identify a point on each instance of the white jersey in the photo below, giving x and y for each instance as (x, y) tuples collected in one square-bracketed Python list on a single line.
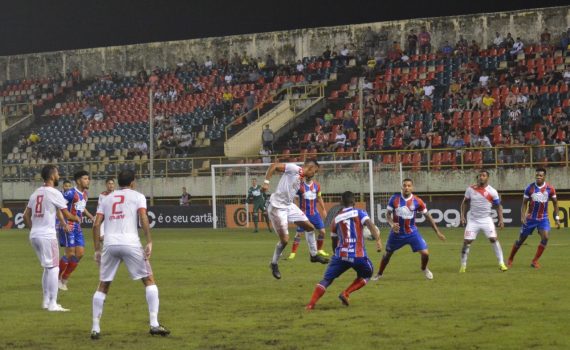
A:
[(288, 186), (120, 212), (102, 196), (43, 204), (482, 200)]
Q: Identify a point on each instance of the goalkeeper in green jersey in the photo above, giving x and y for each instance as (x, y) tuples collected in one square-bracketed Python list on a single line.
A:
[(258, 198)]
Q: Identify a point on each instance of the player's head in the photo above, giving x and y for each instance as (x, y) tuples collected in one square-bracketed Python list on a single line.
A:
[(127, 178), (540, 175), (254, 182), (347, 199), (82, 179), (50, 175), (407, 186), (310, 168), (110, 184), (483, 177), (67, 185)]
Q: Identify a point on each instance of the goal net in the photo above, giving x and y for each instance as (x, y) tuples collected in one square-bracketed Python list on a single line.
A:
[(231, 182)]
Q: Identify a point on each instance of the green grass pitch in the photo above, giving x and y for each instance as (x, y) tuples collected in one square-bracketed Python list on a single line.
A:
[(217, 292)]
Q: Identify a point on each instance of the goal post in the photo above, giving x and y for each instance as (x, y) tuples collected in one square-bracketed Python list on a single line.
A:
[(230, 183)]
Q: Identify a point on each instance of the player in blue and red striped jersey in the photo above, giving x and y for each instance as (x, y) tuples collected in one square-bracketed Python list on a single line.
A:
[(536, 196), (350, 250), (73, 241), (312, 204), (401, 215)]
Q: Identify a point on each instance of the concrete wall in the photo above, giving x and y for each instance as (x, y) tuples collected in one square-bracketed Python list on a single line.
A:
[(332, 181), (285, 45)]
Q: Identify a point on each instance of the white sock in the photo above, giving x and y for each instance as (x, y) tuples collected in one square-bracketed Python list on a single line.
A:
[(465, 254), (45, 288), (312, 242), (98, 301), (277, 253), (498, 251), (152, 300), (52, 284)]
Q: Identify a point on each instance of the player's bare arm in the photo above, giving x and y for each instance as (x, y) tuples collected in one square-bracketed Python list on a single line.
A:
[(280, 167), (146, 229), (97, 237), (321, 205), (501, 222), (62, 221), (464, 207), (89, 215), (394, 225), (440, 235), (555, 213), (375, 233), (523, 210), (28, 218)]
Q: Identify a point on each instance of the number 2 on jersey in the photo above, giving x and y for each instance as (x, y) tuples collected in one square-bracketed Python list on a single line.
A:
[(116, 208)]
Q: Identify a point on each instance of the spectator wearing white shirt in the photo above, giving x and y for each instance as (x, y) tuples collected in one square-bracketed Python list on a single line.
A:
[(428, 90), (208, 63), (498, 41), (517, 47), (228, 78), (344, 55), (484, 79), (300, 67)]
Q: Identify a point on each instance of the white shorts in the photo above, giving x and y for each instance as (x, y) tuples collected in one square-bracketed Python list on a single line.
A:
[(475, 225), (281, 217), (47, 251), (134, 257)]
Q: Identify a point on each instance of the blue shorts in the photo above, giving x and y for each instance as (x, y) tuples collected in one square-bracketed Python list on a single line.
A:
[(541, 225), (397, 241), (316, 220), (337, 266), (70, 239)]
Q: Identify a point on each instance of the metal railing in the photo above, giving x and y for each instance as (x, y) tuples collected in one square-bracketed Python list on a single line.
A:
[(414, 160)]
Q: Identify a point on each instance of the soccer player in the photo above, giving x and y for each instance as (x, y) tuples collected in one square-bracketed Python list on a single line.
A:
[(121, 211), (536, 215), (257, 197), (401, 216), (109, 187), (481, 198), (66, 186), (310, 200), (282, 210), (350, 251), (44, 205), (73, 241)]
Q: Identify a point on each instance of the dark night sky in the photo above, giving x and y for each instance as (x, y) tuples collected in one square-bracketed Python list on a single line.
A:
[(48, 25)]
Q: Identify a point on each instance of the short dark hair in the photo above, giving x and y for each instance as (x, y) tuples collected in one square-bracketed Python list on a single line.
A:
[(66, 181), (408, 180), (484, 171), (541, 170), (48, 171), (314, 161), (109, 179), (78, 175), (126, 177), (347, 199)]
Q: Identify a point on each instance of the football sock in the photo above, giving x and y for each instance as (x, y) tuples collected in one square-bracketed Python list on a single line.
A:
[(514, 250), (320, 240), (425, 260), (540, 249), (465, 253), (498, 252), (70, 267), (277, 253), (98, 301), (317, 294), (255, 220), (383, 263), (296, 242), (45, 287), (310, 237), (356, 285), (152, 300), (52, 284), (63, 262)]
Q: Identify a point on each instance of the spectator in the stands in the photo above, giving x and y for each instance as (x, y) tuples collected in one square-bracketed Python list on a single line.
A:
[(420, 143), (228, 77), (484, 79), (564, 40), (487, 101), (344, 55), (339, 141), (294, 142), (208, 64), (545, 37), (446, 49), (534, 142), (269, 62), (424, 39), (369, 41), (265, 154), (412, 43), (559, 153), (348, 124), (498, 41), (509, 41), (185, 198), (267, 137), (517, 47), (473, 49), (300, 67), (327, 53), (395, 52)]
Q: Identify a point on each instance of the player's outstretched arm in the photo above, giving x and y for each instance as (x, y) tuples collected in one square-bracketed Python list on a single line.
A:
[(280, 167), (97, 237), (464, 206), (434, 226), (555, 213), (375, 233), (523, 210), (28, 217), (143, 218)]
